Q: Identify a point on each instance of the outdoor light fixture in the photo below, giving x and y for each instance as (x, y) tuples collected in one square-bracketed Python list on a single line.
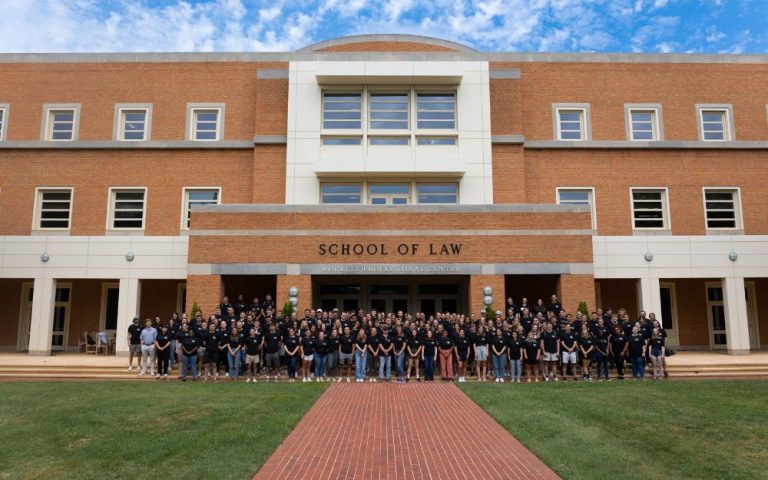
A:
[(488, 300), (45, 257), (130, 256), (648, 256), (487, 290), (733, 256), (293, 292)]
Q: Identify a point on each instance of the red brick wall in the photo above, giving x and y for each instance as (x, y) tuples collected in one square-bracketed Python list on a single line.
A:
[(692, 312), (573, 289), (302, 282), (476, 295), (206, 290), (10, 295), (619, 293), (159, 298), (85, 308)]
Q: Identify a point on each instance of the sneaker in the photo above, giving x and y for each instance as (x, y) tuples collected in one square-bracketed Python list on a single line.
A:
[(247, 380), (317, 379), (130, 368), (141, 374), (347, 379)]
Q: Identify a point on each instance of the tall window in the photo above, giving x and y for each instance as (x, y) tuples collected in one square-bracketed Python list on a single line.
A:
[(649, 209), (437, 193), (436, 111), (341, 193), (715, 124), (571, 124), (127, 208), (389, 194), (62, 125), (198, 196), (578, 196), (206, 124), (721, 208), (54, 209), (389, 111), (342, 111), (643, 124), (3, 120), (133, 125)]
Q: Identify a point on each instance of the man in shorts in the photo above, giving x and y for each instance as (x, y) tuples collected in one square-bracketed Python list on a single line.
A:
[(550, 345), (346, 352), (272, 342), (568, 351), (253, 344), (134, 343)]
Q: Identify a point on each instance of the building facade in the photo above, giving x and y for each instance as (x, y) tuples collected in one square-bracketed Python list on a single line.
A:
[(382, 171)]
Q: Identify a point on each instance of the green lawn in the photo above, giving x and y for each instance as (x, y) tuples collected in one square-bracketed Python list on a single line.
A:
[(145, 430), (682, 429)]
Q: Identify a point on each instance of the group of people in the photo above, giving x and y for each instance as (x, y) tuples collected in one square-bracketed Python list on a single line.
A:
[(538, 343)]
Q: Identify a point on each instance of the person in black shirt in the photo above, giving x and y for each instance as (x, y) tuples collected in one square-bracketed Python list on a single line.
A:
[(373, 351), (601, 351), (189, 344), (271, 352), (399, 341), (413, 349), (554, 306), (211, 340), (346, 352), (587, 349), (252, 345), (163, 349), (429, 355), (462, 352), (233, 354), (134, 343), (292, 351), (514, 350), (531, 351), (322, 347), (637, 354), (550, 346), (361, 355), (480, 347), (617, 349), (499, 355), (445, 345), (569, 350), (385, 354), (656, 347), (333, 354), (307, 355)]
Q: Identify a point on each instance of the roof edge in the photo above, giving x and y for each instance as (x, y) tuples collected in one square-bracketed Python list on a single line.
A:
[(386, 37)]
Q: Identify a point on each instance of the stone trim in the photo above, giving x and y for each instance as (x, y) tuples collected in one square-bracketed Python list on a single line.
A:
[(394, 209), (381, 233)]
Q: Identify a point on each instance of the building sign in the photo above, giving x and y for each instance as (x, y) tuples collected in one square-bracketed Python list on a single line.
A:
[(390, 268), (383, 249)]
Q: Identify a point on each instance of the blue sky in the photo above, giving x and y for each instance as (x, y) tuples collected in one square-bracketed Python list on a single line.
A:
[(711, 26)]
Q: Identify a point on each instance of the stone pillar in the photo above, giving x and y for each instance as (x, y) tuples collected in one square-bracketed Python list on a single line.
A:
[(302, 282), (736, 322), (573, 289), (128, 304), (41, 323), (207, 291), (648, 297), (476, 285)]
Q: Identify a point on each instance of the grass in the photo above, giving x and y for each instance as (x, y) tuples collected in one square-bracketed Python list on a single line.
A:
[(668, 430), (145, 430)]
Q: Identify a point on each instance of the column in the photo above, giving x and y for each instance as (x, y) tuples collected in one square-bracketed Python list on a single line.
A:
[(128, 302), (648, 296), (574, 289), (207, 291), (302, 282), (41, 324), (736, 323), (476, 295)]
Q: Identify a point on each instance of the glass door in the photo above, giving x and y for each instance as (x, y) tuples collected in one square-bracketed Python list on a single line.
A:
[(60, 318), (22, 342), (716, 314), (754, 334)]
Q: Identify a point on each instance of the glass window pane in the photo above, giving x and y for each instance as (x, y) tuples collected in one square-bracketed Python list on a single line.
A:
[(574, 196), (712, 117), (436, 141), (341, 188), (386, 189), (389, 141)]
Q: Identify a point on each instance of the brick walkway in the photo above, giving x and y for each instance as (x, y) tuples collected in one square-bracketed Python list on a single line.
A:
[(391, 431)]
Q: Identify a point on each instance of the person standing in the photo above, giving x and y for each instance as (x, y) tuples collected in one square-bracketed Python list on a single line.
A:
[(233, 354), (531, 351), (617, 349), (147, 337), (307, 356), (211, 353), (361, 355), (569, 349), (499, 355), (272, 353), (346, 353), (385, 354), (445, 345), (429, 355), (292, 351), (322, 347), (601, 351), (400, 343), (657, 348), (587, 349), (637, 353), (480, 345), (413, 348), (373, 350), (333, 355), (252, 346), (515, 351), (163, 351), (550, 346), (189, 345), (462, 353), (134, 344)]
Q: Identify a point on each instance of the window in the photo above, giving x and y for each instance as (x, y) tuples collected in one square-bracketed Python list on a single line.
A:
[(571, 124), (437, 192), (341, 141), (721, 208), (133, 122), (54, 209), (643, 124), (127, 210), (3, 120), (61, 122), (342, 111), (389, 194), (388, 140), (578, 196), (436, 111), (341, 193), (436, 141), (198, 196), (715, 123), (389, 111), (649, 209)]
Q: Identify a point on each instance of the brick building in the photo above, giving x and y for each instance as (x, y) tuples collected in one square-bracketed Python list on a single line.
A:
[(384, 171)]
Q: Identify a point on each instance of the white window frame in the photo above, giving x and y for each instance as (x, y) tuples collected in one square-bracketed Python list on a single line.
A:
[(729, 130), (389, 197), (411, 182), (424, 90), (415, 190), (103, 309), (363, 190), (185, 202), (350, 90), (36, 218), (710, 304), (673, 333), (111, 209), (46, 131), (657, 122), (586, 120), (738, 214), (667, 219), (5, 108), (590, 190), (121, 109), (371, 92), (193, 109)]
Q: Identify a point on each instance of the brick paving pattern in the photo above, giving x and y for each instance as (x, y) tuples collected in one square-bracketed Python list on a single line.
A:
[(400, 431)]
